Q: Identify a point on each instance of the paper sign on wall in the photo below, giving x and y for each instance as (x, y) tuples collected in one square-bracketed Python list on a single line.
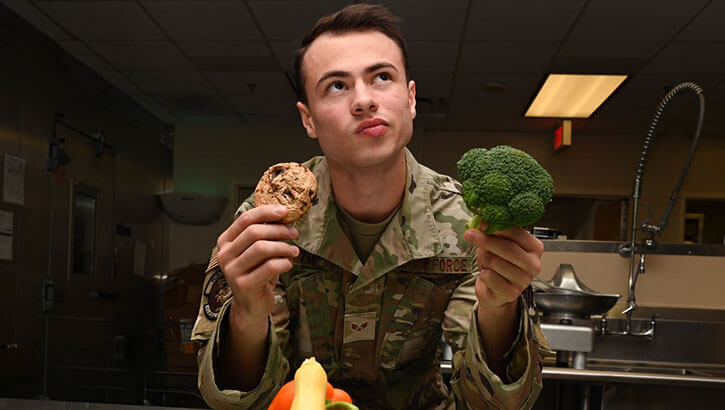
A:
[(14, 180)]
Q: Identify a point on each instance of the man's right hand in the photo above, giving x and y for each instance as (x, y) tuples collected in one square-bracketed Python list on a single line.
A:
[(252, 255)]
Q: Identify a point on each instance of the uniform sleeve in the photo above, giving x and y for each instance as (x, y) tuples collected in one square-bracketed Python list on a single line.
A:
[(275, 372), (209, 327), (474, 384)]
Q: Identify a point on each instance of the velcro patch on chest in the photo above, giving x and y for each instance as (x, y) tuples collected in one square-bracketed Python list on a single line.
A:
[(359, 326)]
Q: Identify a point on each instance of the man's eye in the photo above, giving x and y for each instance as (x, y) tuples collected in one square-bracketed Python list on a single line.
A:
[(382, 77), (336, 86)]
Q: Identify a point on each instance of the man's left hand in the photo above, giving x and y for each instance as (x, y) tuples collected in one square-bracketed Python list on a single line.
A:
[(507, 261)]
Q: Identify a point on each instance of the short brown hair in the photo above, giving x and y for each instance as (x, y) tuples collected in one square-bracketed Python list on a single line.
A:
[(356, 17)]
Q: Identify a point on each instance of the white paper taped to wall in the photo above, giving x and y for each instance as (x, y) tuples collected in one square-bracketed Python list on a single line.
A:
[(6, 223), (14, 180)]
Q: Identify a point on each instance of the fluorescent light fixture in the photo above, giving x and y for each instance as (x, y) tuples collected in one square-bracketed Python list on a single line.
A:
[(573, 95)]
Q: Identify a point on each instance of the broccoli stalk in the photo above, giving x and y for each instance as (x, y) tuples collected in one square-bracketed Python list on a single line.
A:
[(504, 187)]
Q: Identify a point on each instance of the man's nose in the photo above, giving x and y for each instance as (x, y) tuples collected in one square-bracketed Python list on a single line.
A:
[(363, 101)]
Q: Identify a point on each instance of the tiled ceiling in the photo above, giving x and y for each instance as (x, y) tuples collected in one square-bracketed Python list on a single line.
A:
[(230, 61)]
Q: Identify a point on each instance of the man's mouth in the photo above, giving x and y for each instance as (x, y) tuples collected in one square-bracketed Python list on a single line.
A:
[(372, 128)]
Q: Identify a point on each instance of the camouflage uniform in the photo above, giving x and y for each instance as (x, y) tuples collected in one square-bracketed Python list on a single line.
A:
[(376, 327)]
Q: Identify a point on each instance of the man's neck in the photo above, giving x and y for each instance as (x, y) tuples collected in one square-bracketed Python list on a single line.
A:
[(370, 195)]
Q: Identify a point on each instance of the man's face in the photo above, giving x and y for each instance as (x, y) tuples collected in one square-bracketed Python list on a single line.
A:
[(359, 105)]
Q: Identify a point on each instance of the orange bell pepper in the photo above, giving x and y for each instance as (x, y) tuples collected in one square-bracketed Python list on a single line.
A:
[(337, 398)]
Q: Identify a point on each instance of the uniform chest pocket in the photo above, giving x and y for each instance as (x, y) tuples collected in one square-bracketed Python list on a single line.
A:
[(406, 335), (318, 298)]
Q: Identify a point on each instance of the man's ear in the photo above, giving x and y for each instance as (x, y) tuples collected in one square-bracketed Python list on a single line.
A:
[(307, 121), (411, 97)]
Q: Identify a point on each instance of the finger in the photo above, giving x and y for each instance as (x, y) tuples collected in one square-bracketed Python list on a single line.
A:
[(258, 215), (258, 253), (499, 286), (524, 238), (506, 249), (265, 274), (258, 232), (507, 270)]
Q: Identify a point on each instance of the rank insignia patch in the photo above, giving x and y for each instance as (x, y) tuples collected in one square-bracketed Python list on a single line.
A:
[(359, 326)]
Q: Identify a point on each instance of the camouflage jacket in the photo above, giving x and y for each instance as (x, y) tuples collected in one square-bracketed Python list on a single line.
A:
[(377, 326)]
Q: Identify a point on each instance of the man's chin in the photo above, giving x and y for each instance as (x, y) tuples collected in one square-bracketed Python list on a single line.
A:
[(374, 157)]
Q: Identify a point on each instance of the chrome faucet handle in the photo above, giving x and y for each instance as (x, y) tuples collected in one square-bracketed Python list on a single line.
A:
[(630, 307), (640, 266)]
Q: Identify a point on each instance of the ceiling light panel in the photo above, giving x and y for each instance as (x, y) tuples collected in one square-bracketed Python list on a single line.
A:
[(573, 95), (204, 20), (103, 20)]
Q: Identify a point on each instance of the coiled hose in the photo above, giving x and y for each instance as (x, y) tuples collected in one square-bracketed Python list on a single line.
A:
[(637, 190)]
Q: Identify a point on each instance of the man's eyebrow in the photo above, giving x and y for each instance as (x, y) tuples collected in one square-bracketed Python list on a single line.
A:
[(378, 66), (333, 74), (343, 74)]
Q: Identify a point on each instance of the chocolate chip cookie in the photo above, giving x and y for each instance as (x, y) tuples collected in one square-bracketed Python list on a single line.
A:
[(289, 184)]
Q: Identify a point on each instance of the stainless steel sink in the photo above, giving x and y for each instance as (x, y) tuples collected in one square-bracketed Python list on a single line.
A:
[(641, 373), (659, 370)]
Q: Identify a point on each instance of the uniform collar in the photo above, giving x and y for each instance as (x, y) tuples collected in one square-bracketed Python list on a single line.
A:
[(412, 234)]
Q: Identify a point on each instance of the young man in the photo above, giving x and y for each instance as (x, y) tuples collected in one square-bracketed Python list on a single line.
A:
[(382, 266)]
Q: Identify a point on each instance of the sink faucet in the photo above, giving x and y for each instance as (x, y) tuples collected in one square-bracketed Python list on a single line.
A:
[(652, 231)]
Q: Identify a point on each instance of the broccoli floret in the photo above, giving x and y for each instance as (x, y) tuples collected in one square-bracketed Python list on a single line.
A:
[(503, 186)]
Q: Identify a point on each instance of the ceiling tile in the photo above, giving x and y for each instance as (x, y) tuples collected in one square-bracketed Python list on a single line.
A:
[(225, 48), (432, 56), (155, 107), (495, 20), (28, 11), (142, 55), (431, 84), (102, 20), (285, 52), (651, 88), (252, 83), (120, 82), (625, 49), (430, 20), (291, 19), (171, 82), (235, 63), (485, 113), (633, 20), (518, 85), (689, 57), (204, 20), (506, 57), (708, 26), (596, 65), (84, 54)]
